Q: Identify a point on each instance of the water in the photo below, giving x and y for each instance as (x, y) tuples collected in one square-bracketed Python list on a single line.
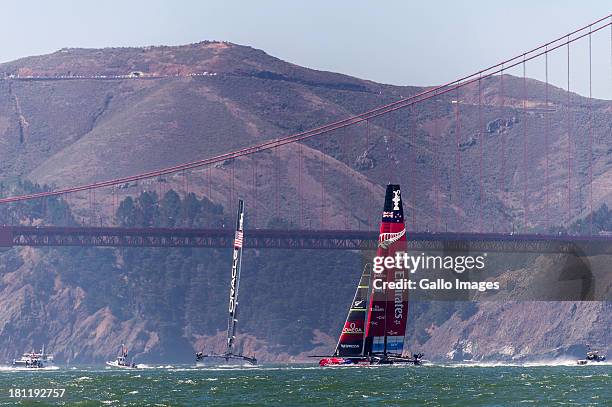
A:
[(308, 385)]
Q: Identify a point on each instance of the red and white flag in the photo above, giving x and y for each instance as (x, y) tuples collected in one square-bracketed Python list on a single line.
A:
[(238, 240)]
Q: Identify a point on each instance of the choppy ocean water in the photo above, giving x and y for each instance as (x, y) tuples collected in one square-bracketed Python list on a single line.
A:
[(434, 385)]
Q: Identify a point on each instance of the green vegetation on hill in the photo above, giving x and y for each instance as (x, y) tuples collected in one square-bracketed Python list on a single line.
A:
[(180, 292)]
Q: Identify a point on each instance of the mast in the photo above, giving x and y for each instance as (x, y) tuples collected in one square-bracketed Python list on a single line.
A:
[(388, 309), (232, 319)]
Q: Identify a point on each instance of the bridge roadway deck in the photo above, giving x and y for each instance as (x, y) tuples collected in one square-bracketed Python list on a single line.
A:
[(297, 239)]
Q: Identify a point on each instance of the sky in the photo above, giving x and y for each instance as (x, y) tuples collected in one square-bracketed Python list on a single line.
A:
[(397, 42)]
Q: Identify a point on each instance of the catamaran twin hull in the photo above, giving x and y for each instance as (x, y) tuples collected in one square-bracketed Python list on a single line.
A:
[(375, 326), (229, 359), (371, 361)]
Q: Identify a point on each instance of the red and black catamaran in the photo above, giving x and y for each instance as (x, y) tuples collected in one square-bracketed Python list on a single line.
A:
[(232, 319), (375, 327)]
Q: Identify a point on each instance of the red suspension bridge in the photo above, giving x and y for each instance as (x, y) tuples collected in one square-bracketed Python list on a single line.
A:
[(482, 159)]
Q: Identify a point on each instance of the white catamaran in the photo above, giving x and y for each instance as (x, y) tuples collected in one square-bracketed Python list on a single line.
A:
[(375, 326), (232, 319)]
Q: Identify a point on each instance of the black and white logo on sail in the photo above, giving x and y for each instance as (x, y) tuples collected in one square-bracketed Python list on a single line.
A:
[(396, 200), (387, 239)]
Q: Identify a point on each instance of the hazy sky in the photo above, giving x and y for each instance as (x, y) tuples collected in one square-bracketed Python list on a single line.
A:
[(400, 42)]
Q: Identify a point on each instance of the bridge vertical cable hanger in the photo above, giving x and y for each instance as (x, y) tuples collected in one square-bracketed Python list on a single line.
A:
[(91, 211), (66, 208), (370, 207), (182, 181), (345, 189), (480, 159), (300, 192), (253, 220), (546, 143), (590, 136), (210, 183), (502, 104), (158, 189), (277, 181), (569, 140), (114, 204), (391, 158), (232, 186), (413, 131), (322, 188), (458, 177), (525, 114), (436, 167)]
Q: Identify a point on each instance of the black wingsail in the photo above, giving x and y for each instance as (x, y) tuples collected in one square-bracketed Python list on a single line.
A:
[(232, 319)]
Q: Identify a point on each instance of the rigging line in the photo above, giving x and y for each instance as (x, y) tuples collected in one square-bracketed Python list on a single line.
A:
[(401, 104)]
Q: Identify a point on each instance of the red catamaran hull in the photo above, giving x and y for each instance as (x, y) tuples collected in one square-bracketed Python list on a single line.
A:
[(333, 361)]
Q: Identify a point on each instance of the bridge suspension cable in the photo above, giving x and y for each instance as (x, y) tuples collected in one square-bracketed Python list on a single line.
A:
[(431, 93)]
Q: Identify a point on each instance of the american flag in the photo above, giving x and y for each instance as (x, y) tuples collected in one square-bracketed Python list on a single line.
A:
[(238, 240)]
